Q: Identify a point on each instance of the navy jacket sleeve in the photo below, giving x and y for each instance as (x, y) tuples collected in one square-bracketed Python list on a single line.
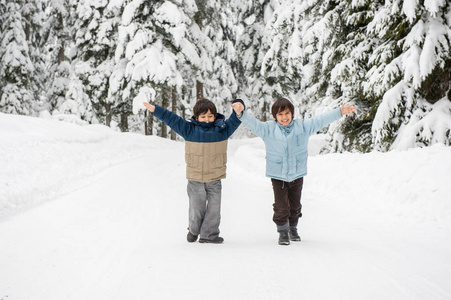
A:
[(177, 123), (233, 122)]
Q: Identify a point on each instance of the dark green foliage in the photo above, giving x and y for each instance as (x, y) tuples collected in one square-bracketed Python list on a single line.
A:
[(437, 84)]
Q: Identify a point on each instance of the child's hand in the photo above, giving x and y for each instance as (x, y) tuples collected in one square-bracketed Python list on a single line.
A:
[(347, 110), (149, 106), (238, 107)]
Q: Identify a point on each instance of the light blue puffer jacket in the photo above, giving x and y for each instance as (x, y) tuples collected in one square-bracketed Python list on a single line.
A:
[(287, 146)]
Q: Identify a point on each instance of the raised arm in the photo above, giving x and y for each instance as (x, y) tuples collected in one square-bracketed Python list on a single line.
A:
[(178, 124), (319, 122), (257, 127), (233, 122)]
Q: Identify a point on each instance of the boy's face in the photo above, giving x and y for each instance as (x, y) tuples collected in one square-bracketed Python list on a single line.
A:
[(284, 117), (206, 117)]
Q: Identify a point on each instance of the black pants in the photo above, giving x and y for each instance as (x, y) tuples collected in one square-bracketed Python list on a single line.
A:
[(287, 201)]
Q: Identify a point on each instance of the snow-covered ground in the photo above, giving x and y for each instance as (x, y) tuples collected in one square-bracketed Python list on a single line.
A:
[(89, 213)]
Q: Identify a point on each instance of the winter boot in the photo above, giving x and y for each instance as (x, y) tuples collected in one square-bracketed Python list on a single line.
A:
[(216, 240), (293, 233), (191, 237), (283, 237)]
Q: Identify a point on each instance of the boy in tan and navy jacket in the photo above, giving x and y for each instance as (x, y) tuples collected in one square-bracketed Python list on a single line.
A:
[(206, 136)]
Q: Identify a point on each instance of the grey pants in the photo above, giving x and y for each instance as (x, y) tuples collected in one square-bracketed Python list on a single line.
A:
[(204, 208)]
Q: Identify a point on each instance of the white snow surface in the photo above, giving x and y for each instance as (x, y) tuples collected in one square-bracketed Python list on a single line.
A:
[(90, 213)]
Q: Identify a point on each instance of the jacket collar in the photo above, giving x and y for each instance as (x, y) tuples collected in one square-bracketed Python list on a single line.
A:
[(286, 129)]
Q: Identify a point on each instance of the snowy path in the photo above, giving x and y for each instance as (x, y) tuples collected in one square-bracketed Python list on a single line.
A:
[(123, 237)]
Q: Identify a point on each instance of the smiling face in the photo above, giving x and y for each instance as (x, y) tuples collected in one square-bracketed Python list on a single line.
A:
[(284, 117), (283, 111), (206, 117)]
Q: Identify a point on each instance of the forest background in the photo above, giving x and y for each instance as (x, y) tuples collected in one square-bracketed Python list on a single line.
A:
[(96, 61)]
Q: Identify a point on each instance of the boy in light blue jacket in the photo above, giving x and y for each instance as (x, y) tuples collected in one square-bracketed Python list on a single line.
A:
[(286, 142)]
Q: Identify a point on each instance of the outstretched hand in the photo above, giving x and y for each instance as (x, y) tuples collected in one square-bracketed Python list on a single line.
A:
[(149, 106), (238, 107), (348, 109)]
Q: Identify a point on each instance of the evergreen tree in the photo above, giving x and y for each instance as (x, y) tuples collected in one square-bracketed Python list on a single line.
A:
[(16, 67), (281, 62), (348, 75), (414, 53), (251, 47), (215, 21), (160, 47), (2, 21), (59, 32), (34, 18), (95, 40)]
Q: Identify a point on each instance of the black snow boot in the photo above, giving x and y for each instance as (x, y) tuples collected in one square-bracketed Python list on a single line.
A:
[(293, 233), (283, 237), (216, 240), (191, 237)]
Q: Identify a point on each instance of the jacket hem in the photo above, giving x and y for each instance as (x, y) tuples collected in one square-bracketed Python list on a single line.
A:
[(206, 180), (286, 179)]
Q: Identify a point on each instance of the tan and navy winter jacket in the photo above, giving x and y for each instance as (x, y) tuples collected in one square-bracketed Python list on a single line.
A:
[(205, 143)]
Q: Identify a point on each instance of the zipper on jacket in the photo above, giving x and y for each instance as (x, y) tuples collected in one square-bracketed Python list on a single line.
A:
[(287, 153)]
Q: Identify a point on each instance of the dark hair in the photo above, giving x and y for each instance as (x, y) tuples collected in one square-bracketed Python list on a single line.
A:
[(281, 105), (202, 106)]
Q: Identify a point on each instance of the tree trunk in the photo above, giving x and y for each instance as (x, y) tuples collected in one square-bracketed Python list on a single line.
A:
[(174, 109), (183, 106), (27, 31), (199, 90), (165, 104), (264, 110), (124, 122), (108, 114), (61, 49), (148, 125)]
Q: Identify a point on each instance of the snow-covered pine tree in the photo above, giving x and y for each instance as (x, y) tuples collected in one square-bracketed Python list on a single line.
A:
[(96, 40), (16, 67), (2, 21), (216, 23), (411, 74), (194, 63), (34, 17), (252, 44), (3, 16), (281, 63), (158, 50), (348, 74), (57, 36), (65, 95), (2, 12), (200, 18)]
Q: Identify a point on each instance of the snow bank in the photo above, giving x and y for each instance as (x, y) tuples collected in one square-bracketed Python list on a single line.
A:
[(403, 186), (43, 159)]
